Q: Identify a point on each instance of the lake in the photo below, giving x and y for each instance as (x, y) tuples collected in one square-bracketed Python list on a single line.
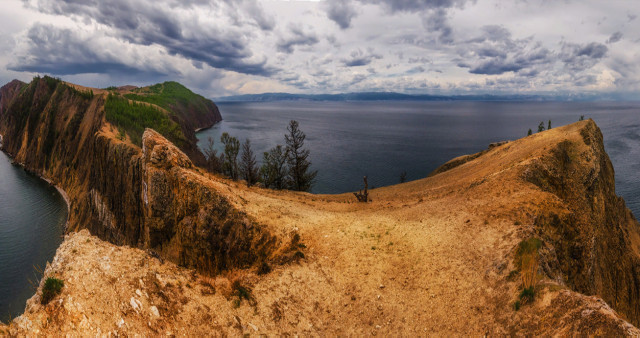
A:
[(32, 219), (349, 140)]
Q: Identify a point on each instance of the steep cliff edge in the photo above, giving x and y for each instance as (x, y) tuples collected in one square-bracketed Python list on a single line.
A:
[(436, 255), (120, 192), (433, 256)]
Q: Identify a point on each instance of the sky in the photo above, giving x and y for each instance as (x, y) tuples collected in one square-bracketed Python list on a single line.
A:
[(230, 47)]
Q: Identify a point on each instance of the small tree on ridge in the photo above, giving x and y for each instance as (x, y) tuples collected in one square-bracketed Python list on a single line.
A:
[(248, 165), (274, 168), (230, 156), (300, 178)]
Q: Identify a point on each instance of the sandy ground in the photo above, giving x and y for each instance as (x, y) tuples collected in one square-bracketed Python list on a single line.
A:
[(428, 257)]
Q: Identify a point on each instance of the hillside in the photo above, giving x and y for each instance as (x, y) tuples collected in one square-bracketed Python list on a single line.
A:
[(175, 250)]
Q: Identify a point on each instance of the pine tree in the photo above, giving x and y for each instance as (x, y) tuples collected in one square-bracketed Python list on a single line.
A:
[(403, 177), (300, 178), (529, 132), (230, 156), (541, 127), (274, 168), (211, 155), (248, 165), (549, 126)]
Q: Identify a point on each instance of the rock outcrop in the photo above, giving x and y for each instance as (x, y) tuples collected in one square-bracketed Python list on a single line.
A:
[(151, 197), (595, 238), (432, 256)]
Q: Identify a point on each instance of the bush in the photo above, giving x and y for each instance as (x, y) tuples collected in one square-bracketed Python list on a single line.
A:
[(135, 117), (264, 268), (169, 95), (52, 288), (242, 293), (527, 294), (527, 263)]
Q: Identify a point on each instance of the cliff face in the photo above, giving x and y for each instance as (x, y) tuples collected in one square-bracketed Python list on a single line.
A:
[(431, 256), (596, 239), (152, 198)]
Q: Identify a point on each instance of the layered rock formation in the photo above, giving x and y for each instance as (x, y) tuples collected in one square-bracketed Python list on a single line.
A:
[(150, 197), (433, 256)]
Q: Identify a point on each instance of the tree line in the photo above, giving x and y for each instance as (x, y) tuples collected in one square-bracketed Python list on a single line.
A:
[(283, 166)]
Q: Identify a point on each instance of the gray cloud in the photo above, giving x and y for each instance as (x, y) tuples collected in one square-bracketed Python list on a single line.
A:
[(341, 12), (579, 57), (437, 22), (297, 37), (615, 37), (359, 58), (148, 22), (63, 52), (494, 52), (417, 5)]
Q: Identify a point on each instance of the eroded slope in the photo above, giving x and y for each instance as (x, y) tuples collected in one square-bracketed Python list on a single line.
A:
[(432, 256)]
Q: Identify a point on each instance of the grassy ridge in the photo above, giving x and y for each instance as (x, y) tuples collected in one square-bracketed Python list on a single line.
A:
[(168, 95), (133, 118)]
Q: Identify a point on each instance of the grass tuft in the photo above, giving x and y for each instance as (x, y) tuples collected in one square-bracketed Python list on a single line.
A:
[(52, 288)]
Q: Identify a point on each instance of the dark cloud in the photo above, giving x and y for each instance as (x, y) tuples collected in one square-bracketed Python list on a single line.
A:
[(63, 52), (297, 37), (615, 37), (341, 12), (417, 5), (438, 22), (360, 58), (579, 57), (148, 22), (495, 52)]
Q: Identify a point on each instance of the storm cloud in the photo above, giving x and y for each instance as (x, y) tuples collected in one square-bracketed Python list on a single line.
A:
[(175, 26), (63, 52), (225, 47)]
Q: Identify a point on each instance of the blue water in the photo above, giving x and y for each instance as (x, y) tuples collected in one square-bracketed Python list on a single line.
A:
[(32, 218), (349, 140)]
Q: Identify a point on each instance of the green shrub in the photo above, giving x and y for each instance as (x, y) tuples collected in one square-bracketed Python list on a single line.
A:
[(241, 293), (135, 117), (168, 95), (52, 288), (527, 294)]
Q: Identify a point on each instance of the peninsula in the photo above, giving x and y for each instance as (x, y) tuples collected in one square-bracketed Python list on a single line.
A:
[(157, 245)]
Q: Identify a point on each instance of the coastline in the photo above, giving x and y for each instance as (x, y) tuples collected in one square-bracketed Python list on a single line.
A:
[(197, 130), (61, 191)]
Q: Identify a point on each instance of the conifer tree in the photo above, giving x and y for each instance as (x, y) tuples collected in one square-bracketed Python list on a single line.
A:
[(248, 165), (300, 177), (230, 156), (274, 168)]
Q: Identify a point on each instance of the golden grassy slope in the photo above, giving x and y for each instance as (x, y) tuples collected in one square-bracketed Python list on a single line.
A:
[(432, 256)]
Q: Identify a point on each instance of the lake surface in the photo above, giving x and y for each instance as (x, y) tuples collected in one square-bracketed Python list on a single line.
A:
[(349, 140), (32, 218)]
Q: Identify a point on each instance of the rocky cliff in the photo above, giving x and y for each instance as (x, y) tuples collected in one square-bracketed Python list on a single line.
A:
[(150, 197), (441, 255), (593, 239)]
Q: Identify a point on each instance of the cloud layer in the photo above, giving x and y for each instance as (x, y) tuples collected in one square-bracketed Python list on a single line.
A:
[(222, 47)]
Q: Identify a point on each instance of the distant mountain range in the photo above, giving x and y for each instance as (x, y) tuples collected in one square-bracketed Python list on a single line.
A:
[(391, 96)]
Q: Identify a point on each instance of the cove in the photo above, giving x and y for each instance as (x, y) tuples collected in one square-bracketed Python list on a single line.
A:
[(32, 219)]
